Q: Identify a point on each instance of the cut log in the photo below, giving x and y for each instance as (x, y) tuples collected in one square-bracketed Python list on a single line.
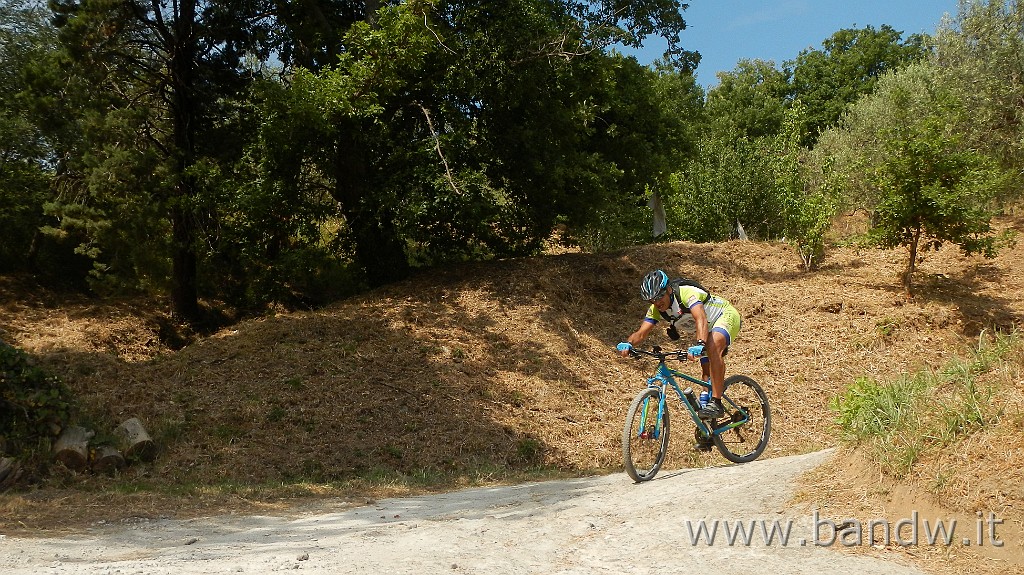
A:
[(7, 465), (137, 443), (10, 472), (107, 459), (72, 447)]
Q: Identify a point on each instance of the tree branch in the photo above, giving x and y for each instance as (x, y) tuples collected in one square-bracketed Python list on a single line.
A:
[(437, 146)]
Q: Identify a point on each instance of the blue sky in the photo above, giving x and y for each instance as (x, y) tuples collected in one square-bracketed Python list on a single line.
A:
[(726, 31)]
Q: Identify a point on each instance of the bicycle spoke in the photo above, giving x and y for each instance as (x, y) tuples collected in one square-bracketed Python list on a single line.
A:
[(746, 407), (645, 436)]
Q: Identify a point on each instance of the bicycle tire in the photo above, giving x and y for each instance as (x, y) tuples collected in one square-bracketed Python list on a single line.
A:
[(748, 441), (644, 445)]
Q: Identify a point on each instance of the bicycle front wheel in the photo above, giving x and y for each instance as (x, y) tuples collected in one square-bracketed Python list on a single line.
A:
[(644, 437), (746, 406)]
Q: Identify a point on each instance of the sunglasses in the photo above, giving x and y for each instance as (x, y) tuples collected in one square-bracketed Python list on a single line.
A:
[(655, 299)]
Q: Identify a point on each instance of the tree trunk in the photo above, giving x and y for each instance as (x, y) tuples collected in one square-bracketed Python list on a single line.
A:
[(184, 284), (908, 276), (136, 442), (371, 7), (72, 447), (660, 219)]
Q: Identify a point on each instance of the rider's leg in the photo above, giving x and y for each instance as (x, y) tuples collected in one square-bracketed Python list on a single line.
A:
[(716, 363), (714, 349)]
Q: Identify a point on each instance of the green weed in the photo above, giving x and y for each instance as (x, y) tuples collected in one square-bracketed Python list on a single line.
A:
[(899, 421)]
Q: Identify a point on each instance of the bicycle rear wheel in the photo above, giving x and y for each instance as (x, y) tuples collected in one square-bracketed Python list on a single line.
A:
[(744, 400), (644, 438)]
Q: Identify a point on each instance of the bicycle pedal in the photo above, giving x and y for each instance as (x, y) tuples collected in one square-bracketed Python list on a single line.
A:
[(703, 447)]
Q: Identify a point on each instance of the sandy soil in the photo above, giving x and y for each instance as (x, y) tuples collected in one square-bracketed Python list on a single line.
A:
[(602, 524)]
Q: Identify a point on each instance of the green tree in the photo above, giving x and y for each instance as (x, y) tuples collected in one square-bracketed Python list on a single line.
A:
[(425, 131), (162, 75), (644, 124), (848, 66), (750, 101), (730, 183), (745, 172), (271, 233), (464, 131), (25, 38), (978, 57), (898, 155), (846, 155), (935, 190)]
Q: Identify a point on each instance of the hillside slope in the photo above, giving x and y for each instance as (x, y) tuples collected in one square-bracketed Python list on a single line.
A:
[(464, 371)]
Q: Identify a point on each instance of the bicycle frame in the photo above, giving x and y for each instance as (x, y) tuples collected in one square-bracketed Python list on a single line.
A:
[(665, 377), (642, 457)]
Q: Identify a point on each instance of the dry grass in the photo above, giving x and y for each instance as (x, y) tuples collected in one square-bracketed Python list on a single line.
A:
[(480, 372)]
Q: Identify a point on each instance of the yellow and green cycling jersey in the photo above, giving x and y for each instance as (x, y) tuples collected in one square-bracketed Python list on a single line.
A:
[(722, 316)]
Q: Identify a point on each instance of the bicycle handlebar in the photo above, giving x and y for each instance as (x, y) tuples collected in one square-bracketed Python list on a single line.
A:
[(656, 352)]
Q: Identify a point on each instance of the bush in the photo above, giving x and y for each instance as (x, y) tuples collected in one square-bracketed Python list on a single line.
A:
[(33, 405), (752, 182)]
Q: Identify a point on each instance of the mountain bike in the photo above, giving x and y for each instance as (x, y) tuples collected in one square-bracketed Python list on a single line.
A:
[(740, 435)]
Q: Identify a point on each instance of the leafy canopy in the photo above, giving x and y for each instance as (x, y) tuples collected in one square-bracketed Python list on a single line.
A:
[(847, 67)]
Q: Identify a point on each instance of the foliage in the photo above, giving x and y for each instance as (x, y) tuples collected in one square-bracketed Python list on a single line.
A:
[(750, 101), (756, 174), (24, 180), (165, 145), (271, 238), (898, 155), (935, 190), (157, 79), (978, 58), (754, 183), (751, 170), (161, 141), (33, 404), (606, 22), (847, 67), (933, 199), (811, 219), (845, 155), (105, 206), (469, 138), (645, 127), (725, 184), (23, 190), (901, 420)]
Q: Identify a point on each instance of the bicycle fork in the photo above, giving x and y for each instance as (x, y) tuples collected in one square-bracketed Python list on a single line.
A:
[(653, 432)]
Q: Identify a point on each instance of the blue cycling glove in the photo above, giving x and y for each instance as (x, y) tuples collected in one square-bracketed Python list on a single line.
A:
[(624, 346), (696, 350)]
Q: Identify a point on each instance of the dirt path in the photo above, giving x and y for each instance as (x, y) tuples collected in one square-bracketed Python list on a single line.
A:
[(592, 525)]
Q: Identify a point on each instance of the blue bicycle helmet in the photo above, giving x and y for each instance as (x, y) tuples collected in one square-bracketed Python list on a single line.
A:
[(654, 285)]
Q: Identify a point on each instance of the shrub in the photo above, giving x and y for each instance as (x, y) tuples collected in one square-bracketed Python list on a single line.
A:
[(33, 405)]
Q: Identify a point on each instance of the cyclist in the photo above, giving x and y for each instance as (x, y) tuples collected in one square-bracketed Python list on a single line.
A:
[(716, 325)]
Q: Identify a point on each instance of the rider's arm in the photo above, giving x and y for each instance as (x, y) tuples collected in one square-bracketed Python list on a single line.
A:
[(638, 336), (700, 320)]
